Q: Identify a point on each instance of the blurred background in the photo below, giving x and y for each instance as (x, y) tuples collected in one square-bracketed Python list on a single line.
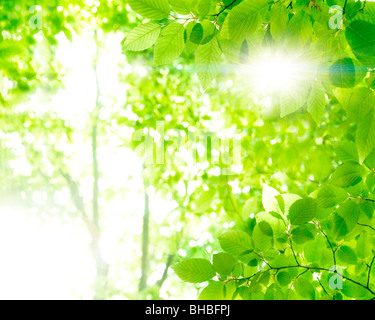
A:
[(84, 214)]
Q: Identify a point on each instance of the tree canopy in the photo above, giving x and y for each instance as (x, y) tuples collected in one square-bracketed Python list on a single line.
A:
[(253, 119)]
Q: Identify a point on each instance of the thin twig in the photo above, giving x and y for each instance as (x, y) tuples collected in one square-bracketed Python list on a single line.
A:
[(294, 253), (364, 6), (307, 269), (329, 243), (365, 225), (344, 9), (225, 8), (369, 272)]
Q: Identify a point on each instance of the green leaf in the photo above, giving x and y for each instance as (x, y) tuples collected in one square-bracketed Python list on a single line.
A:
[(371, 80), (254, 285), (151, 9), (230, 290), (301, 235), (365, 137), (214, 291), (208, 31), (347, 255), (316, 103), (244, 293), (142, 37), (269, 201), (223, 263), (201, 8), (274, 293), (279, 21), (367, 208), (330, 196), (340, 228), (361, 38), (203, 202), (370, 182), (352, 9), (284, 278), (196, 34), (304, 288), (195, 270), (237, 270), (264, 279), (190, 46), (235, 243), (290, 103), (249, 207), (270, 225), (170, 44), (315, 251), (350, 212), (229, 202), (265, 227), (302, 211), (300, 29), (286, 201), (245, 18), (347, 175), (231, 49), (360, 104), (207, 59), (181, 6), (364, 245), (370, 160), (346, 151), (368, 14), (355, 291), (342, 73), (261, 241)]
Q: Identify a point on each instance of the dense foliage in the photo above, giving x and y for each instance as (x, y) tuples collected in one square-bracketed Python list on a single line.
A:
[(290, 216), (318, 214)]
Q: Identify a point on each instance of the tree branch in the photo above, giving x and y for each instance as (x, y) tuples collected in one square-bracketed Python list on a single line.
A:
[(291, 247), (94, 137), (225, 8), (364, 6), (79, 204), (306, 269), (365, 225), (320, 283), (344, 9), (165, 273), (329, 243), (369, 272)]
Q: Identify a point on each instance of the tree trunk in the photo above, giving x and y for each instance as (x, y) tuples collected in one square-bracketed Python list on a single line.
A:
[(145, 241), (101, 265)]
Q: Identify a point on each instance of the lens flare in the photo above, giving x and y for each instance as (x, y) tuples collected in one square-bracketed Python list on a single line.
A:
[(276, 73)]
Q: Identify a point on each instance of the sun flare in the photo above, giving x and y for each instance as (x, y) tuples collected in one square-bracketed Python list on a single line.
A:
[(274, 73)]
